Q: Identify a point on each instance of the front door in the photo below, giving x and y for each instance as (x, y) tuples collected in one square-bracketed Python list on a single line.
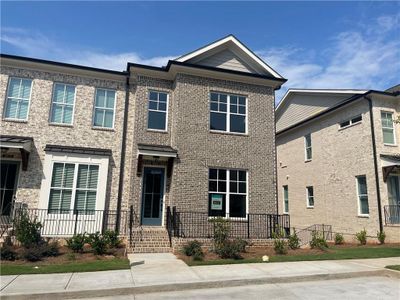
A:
[(152, 197), (393, 184), (8, 185)]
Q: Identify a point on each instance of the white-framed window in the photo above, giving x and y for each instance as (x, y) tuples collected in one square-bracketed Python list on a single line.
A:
[(310, 196), (388, 128), (352, 121), (62, 104), (104, 108), (228, 113), (308, 147), (285, 199), (73, 186), (157, 111), (18, 99), (362, 193), (227, 193)]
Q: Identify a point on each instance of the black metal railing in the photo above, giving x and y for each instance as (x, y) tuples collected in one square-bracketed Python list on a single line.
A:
[(188, 224), (392, 214)]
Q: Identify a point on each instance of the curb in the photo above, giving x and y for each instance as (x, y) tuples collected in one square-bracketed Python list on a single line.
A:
[(197, 285)]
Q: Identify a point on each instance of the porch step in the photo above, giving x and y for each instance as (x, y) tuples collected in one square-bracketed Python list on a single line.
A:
[(150, 240)]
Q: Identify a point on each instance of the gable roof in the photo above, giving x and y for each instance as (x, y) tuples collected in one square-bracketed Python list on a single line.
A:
[(231, 48)]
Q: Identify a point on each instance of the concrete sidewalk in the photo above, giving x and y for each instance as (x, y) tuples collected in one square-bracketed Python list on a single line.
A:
[(157, 272)]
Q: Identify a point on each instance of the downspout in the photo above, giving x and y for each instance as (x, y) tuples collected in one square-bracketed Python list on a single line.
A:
[(123, 151), (378, 193), (276, 163)]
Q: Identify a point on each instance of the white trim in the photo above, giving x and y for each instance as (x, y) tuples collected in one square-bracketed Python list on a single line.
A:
[(286, 212), (358, 197), (73, 104), (104, 108), (393, 128), (6, 100), (156, 110), (226, 40), (308, 196), (156, 153), (306, 159), (15, 145)]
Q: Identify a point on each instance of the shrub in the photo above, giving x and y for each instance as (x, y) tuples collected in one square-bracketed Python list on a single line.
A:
[(98, 243), (221, 232), (77, 242), (190, 248), (280, 245), (7, 253), (294, 241), (230, 249), (362, 237), (27, 231), (241, 244), (50, 249), (381, 235), (112, 239), (339, 239), (198, 254), (318, 241), (33, 253)]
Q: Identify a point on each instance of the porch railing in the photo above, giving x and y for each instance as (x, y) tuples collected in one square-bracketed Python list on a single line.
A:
[(188, 224), (392, 214)]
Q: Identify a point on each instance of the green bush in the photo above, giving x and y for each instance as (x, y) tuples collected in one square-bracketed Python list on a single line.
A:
[(318, 241), (230, 249), (381, 235), (294, 241), (50, 249), (280, 246), (241, 244), (27, 231), (112, 239), (7, 253), (339, 239), (98, 243), (221, 232), (77, 242), (33, 253), (362, 237), (190, 248)]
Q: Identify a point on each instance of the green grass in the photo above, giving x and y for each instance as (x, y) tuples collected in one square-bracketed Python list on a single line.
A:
[(332, 254), (97, 265), (394, 267)]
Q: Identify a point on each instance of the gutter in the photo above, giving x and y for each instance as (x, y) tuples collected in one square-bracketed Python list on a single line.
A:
[(378, 194), (123, 151)]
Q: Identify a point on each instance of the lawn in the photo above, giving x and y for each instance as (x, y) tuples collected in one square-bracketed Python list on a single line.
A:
[(333, 253), (87, 266), (394, 267)]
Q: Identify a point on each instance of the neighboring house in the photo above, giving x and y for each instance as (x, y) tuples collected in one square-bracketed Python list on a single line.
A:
[(334, 165), (197, 135)]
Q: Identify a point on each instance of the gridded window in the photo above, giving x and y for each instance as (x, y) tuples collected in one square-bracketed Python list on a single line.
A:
[(308, 146), (387, 127), (86, 187), (351, 121), (310, 196), (158, 105), (227, 193), (228, 113), (362, 195), (104, 108), (62, 105), (61, 188), (18, 97), (286, 199)]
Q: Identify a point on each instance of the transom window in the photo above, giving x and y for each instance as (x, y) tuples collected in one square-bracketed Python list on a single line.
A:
[(310, 196), (362, 195), (158, 106), (308, 146), (104, 108), (227, 193), (285, 199), (18, 97), (388, 128), (228, 113), (62, 105), (351, 121), (73, 181)]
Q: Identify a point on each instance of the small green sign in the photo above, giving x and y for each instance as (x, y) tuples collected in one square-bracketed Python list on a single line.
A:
[(216, 202)]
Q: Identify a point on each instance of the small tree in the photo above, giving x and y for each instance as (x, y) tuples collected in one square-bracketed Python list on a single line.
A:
[(27, 231)]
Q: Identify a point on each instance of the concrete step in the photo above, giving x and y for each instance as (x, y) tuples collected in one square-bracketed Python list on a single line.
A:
[(150, 250)]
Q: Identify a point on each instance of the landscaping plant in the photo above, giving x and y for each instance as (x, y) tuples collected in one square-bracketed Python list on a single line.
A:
[(280, 245), (98, 243), (339, 239), (112, 239), (7, 253), (224, 247), (294, 241), (27, 231), (77, 242), (362, 237), (318, 241), (190, 248), (381, 235)]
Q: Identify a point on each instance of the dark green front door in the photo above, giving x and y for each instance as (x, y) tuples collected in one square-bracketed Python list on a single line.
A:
[(8, 184), (152, 196)]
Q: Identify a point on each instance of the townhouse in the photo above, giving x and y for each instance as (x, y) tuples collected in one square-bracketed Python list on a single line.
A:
[(338, 160)]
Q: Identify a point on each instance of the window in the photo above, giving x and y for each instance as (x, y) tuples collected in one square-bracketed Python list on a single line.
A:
[(62, 105), (310, 196), (387, 128), (157, 117), (227, 193), (73, 181), (308, 147), (362, 195), (228, 113), (352, 121), (18, 97), (285, 199), (104, 108)]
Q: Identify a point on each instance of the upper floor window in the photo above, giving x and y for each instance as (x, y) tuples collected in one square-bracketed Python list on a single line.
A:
[(18, 98), (228, 113), (310, 196), (62, 104), (308, 146), (351, 121), (104, 108), (158, 106), (387, 128), (363, 208)]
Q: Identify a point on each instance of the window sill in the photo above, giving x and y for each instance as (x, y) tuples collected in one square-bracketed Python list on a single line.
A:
[(228, 133), (15, 120), (310, 207), (285, 213), (103, 128), (156, 130), (61, 125), (307, 160), (363, 216), (390, 145)]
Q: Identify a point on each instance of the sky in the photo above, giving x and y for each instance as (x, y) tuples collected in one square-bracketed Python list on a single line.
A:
[(312, 44)]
